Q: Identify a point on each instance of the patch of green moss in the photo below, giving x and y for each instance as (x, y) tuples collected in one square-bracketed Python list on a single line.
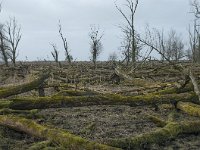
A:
[(189, 108), (28, 103), (59, 137), (74, 93), (14, 90), (168, 132)]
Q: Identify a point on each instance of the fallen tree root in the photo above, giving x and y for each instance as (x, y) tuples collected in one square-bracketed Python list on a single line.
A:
[(189, 108), (14, 90), (168, 132), (77, 101), (60, 137)]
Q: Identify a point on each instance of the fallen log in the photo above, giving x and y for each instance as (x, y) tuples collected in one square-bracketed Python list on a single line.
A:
[(156, 120), (160, 135), (40, 145), (6, 111), (14, 90), (174, 90), (58, 136), (27, 103), (195, 84), (189, 108), (75, 93)]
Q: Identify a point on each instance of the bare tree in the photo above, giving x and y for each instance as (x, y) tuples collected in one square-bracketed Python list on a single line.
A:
[(3, 43), (171, 47), (96, 45), (113, 59), (196, 8), (55, 54), (14, 37), (194, 35), (126, 47), (174, 46), (3, 46), (69, 57), (132, 7)]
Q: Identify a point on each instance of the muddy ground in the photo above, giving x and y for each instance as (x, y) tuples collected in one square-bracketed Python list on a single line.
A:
[(101, 123)]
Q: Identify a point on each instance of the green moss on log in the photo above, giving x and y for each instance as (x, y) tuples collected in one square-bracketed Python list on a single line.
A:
[(168, 132), (189, 108), (14, 90), (74, 93), (60, 137), (175, 90), (159, 122), (40, 145), (108, 99)]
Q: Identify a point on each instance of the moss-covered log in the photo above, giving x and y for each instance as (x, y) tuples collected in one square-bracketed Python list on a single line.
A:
[(14, 90), (6, 111), (189, 108), (174, 90), (168, 132), (107, 99), (74, 93), (60, 137), (159, 122), (40, 145)]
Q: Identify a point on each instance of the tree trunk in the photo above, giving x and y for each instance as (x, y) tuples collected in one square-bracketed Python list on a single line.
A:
[(60, 137), (10, 91), (107, 99), (160, 135), (189, 108)]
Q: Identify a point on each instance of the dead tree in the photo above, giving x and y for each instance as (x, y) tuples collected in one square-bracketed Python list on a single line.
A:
[(132, 7), (196, 8), (55, 54), (174, 46), (195, 34), (14, 36), (69, 57), (170, 47), (126, 47), (96, 45), (3, 46), (113, 59), (186, 72)]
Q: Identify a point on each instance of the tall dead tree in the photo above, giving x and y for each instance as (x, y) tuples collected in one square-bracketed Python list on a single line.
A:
[(3, 46), (13, 31), (69, 57), (130, 19), (195, 34), (3, 43), (96, 45)]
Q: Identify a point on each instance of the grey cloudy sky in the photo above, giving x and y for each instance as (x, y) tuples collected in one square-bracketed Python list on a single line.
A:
[(39, 22)]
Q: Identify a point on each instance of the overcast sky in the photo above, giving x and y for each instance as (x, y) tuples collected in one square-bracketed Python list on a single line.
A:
[(39, 23)]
